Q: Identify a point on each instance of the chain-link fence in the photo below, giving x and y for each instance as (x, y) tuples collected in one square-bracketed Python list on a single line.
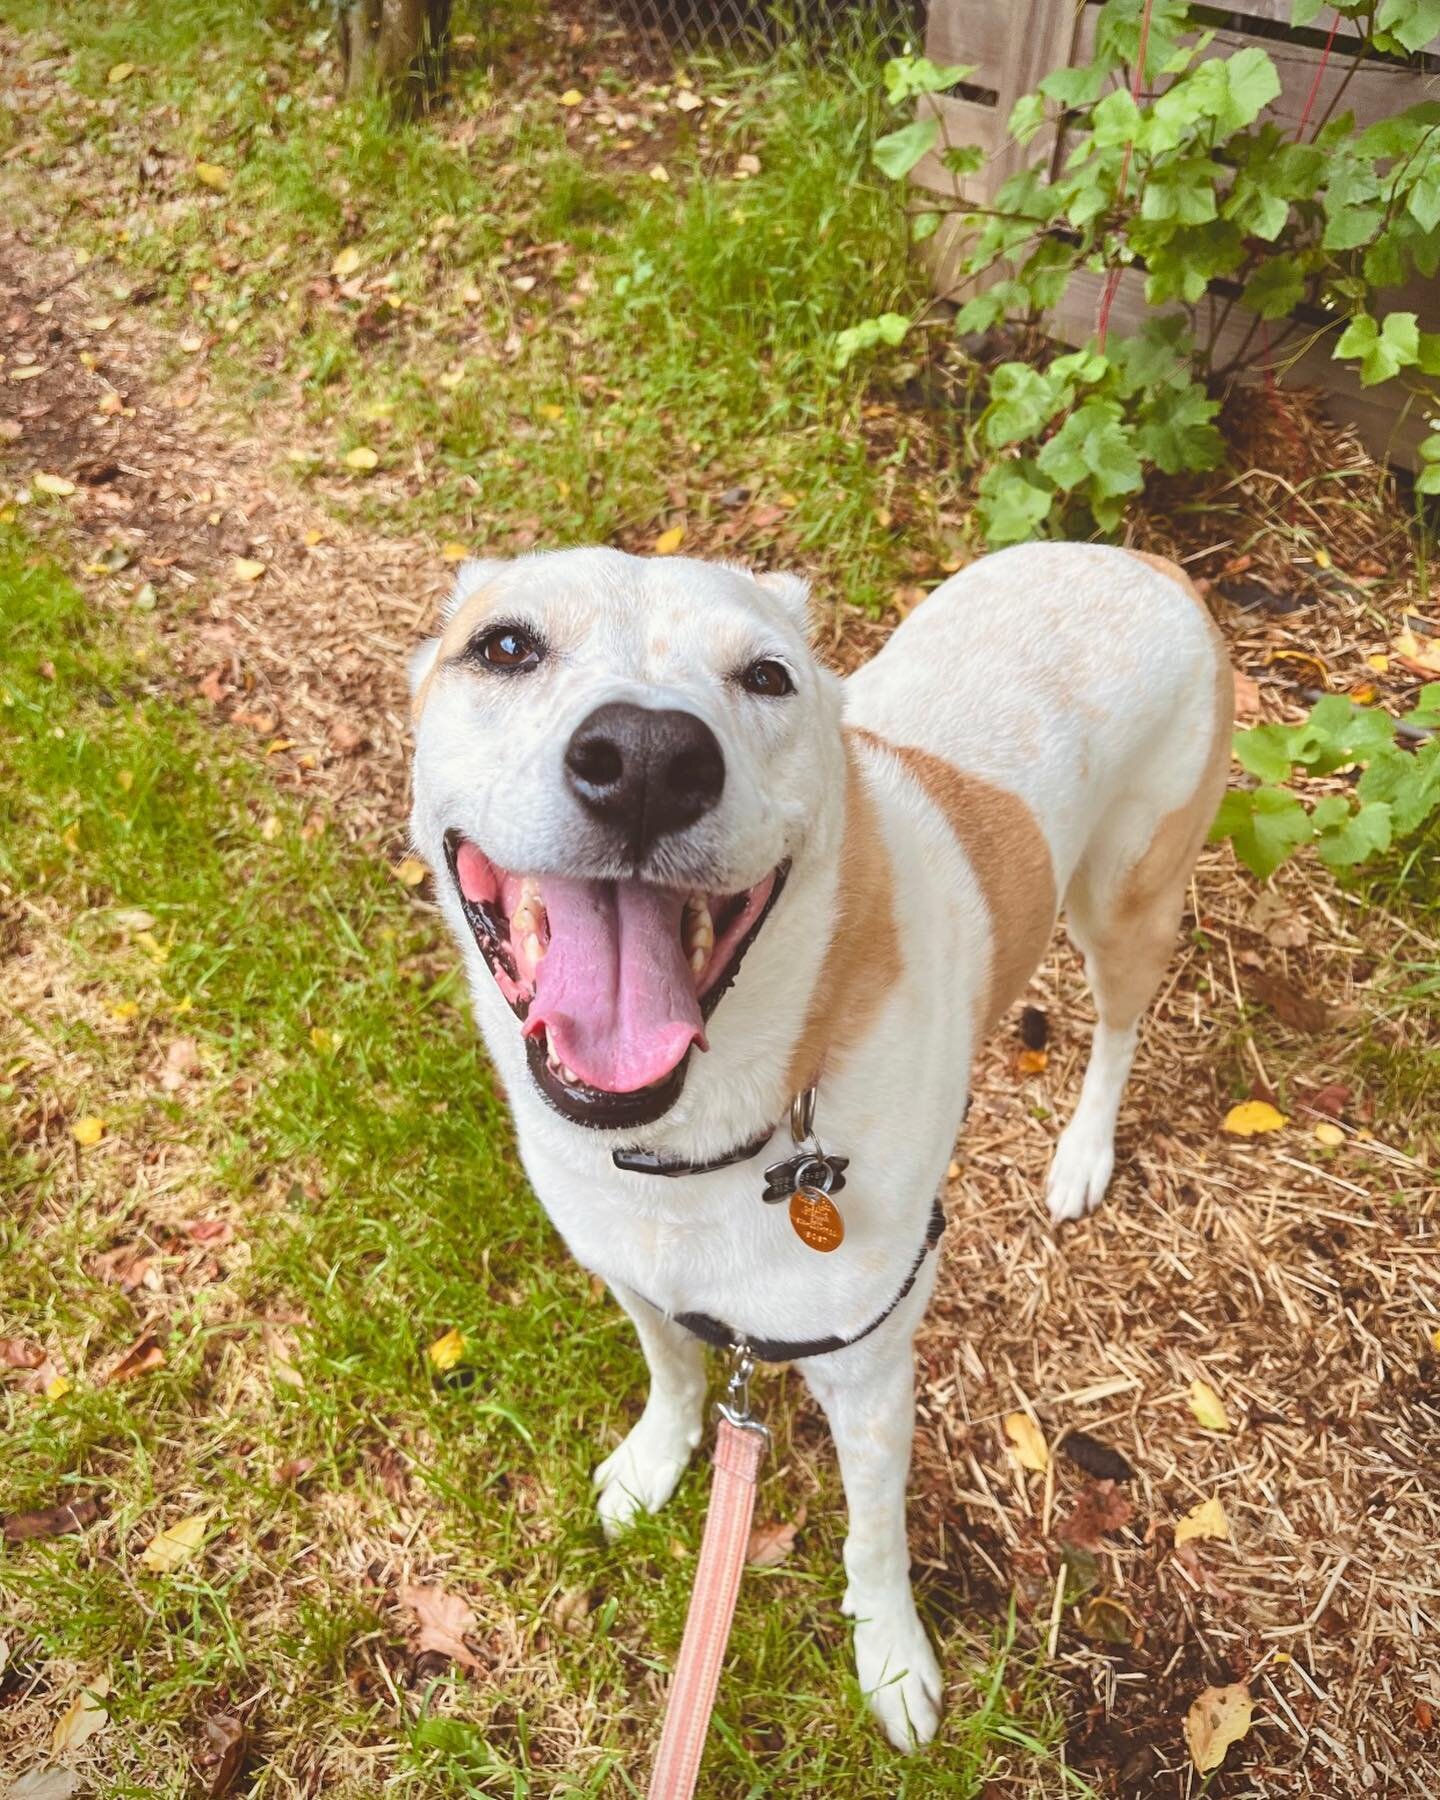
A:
[(743, 26)]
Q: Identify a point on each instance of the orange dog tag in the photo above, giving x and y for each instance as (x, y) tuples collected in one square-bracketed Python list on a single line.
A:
[(816, 1219)]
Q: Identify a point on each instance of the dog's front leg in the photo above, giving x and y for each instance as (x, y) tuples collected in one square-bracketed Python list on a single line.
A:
[(868, 1394), (642, 1473)]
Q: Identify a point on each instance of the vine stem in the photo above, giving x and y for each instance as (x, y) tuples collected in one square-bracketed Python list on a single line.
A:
[(1311, 97), (1112, 280)]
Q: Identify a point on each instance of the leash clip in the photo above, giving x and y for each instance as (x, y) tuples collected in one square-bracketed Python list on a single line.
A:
[(735, 1407)]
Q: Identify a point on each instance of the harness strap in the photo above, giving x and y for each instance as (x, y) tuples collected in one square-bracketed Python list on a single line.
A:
[(782, 1350), (738, 1450)]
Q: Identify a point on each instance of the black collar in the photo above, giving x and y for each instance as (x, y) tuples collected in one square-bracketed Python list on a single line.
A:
[(783, 1350), (655, 1162)]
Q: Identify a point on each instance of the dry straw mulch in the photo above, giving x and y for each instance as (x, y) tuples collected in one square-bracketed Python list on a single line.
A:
[(1299, 1281)]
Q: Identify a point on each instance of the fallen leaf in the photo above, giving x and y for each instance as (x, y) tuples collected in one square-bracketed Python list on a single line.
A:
[(687, 102), (140, 1359), (443, 1619), (245, 568), (176, 1544), (1031, 1062), (120, 72), (88, 1131), (84, 1716), (125, 1267), (669, 541), (124, 1009), (658, 172), (1420, 654), (551, 412), (446, 1351), (55, 485), (1027, 1442), (213, 175), (361, 457), (325, 1040), (49, 1521), (1208, 1407), (1292, 1007), (1207, 1520), (20, 1353), (346, 262), (410, 871), (1105, 1618), (45, 1784), (224, 1753), (571, 97), (454, 552), (770, 1544), (1252, 1116), (182, 1059), (571, 1609), (214, 1232), (1329, 1135), (1100, 1508), (1333, 1099), (1219, 1718), (57, 1387)]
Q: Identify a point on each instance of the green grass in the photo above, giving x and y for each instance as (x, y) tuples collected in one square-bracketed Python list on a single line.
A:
[(679, 325), (342, 1122)]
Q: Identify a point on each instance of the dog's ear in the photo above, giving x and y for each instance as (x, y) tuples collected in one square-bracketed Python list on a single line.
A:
[(471, 576), (422, 661), (793, 593)]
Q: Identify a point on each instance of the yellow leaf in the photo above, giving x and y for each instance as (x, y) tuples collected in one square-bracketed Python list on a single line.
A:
[(658, 172), (670, 541), (1207, 1520), (84, 1716), (324, 1039), (453, 552), (183, 1006), (1330, 1135), (1252, 1116), (58, 1387), (571, 97), (125, 780), (55, 485), (88, 1131), (124, 1009), (410, 871), (1027, 1442), (346, 262), (551, 411), (245, 569), (1435, 1339), (446, 1351), (169, 1548), (1322, 559), (1208, 1407), (452, 378), (1032, 1062), (152, 947), (361, 457), (120, 72), (1381, 664), (276, 745), (1219, 1718), (213, 175), (313, 537), (788, 500)]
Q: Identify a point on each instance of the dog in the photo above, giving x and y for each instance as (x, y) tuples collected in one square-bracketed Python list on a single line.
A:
[(702, 887)]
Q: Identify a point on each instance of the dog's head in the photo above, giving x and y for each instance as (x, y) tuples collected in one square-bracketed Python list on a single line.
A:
[(617, 761)]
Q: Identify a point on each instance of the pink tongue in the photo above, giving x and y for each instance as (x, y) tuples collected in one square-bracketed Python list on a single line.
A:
[(614, 990)]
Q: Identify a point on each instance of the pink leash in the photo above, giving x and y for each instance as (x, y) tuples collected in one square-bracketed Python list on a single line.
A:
[(740, 1444)]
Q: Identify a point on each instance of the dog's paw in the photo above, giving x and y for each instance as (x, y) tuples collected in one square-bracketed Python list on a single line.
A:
[(642, 1474), (899, 1676), (1080, 1171)]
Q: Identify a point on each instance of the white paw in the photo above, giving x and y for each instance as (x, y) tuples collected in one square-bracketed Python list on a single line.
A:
[(1079, 1171), (899, 1676), (642, 1474)]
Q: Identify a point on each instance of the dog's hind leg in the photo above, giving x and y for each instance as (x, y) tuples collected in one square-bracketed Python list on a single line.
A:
[(641, 1475), (868, 1393), (1123, 912)]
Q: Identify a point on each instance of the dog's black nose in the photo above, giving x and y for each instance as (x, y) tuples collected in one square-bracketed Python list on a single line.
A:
[(643, 772)]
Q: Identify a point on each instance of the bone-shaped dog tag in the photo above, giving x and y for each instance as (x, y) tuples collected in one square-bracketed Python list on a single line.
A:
[(816, 1220)]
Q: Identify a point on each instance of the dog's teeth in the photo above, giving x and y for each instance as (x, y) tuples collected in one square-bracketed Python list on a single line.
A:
[(534, 949), (699, 931), (698, 959), (568, 1074)]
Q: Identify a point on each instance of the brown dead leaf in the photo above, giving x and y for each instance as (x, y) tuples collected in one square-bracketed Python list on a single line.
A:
[(85, 1715), (571, 1609), (444, 1618), (1218, 1718), (1333, 1100), (214, 1232), (20, 1353), (141, 1358), (1100, 1508), (182, 1059), (222, 1755), (1290, 1005), (770, 1544), (127, 1267), (49, 1521)]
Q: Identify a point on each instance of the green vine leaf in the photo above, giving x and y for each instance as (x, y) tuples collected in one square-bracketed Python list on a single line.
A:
[(897, 153), (1383, 350), (1265, 824)]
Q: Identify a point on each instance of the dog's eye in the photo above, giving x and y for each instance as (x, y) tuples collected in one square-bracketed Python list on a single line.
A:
[(768, 677), (507, 648)]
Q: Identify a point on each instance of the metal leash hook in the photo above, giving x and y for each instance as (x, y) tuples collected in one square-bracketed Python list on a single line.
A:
[(735, 1407)]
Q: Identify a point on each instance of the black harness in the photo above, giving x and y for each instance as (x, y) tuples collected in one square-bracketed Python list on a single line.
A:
[(780, 1181)]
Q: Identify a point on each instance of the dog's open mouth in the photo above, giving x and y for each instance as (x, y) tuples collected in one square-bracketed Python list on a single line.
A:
[(612, 980)]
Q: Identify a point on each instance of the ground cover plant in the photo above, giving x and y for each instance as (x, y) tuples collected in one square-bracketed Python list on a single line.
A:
[(302, 1384)]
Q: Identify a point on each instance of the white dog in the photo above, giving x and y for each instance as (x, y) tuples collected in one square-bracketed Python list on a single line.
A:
[(695, 875)]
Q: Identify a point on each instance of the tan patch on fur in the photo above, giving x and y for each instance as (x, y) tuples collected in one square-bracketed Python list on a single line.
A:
[(862, 959), (1011, 859), (1163, 566), (458, 631)]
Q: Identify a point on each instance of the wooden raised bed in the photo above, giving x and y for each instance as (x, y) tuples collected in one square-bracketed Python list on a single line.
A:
[(1014, 43)]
